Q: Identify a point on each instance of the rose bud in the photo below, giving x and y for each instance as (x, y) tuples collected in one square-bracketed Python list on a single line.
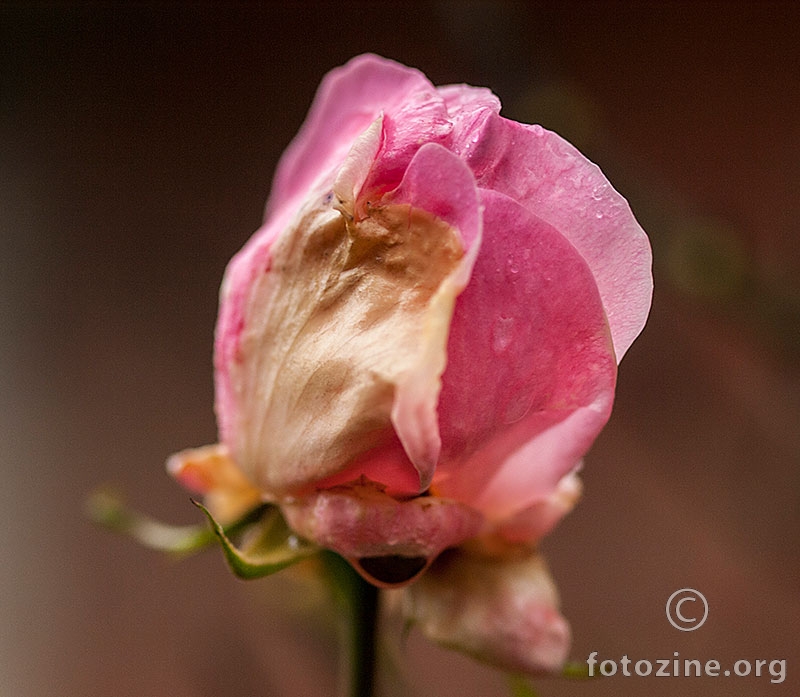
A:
[(421, 342)]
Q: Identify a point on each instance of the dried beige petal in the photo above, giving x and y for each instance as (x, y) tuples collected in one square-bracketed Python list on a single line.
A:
[(332, 327)]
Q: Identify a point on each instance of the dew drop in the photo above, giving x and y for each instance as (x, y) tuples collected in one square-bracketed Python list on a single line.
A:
[(502, 334), (598, 215)]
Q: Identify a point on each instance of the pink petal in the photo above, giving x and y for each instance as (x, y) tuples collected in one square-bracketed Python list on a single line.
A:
[(468, 107), (558, 184), (252, 261), (421, 119), (348, 100), (518, 469), (466, 100), (535, 522), (438, 182), (531, 371)]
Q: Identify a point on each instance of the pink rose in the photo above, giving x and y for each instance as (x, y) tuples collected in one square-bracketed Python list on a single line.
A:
[(421, 342)]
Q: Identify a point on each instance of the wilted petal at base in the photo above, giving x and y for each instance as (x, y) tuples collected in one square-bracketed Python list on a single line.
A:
[(499, 610), (210, 471), (389, 542)]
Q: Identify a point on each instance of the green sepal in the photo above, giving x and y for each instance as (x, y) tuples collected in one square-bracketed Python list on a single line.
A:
[(108, 509), (270, 547)]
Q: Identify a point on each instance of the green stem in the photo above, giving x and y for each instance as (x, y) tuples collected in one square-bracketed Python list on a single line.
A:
[(363, 630), (358, 601)]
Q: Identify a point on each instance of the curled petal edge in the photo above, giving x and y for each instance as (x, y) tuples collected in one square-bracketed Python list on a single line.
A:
[(438, 182), (548, 175)]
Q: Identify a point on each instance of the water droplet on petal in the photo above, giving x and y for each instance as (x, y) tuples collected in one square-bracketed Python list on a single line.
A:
[(502, 334), (598, 215)]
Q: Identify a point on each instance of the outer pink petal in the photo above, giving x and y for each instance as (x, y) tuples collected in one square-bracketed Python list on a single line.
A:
[(438, 182), (468, 107), (511, 475), (253, 260), (558, 184), (532, 524), (349, 98), (531, 371), (463, 100)]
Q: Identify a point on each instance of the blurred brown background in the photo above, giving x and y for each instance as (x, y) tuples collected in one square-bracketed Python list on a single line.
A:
[(137, 143)]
